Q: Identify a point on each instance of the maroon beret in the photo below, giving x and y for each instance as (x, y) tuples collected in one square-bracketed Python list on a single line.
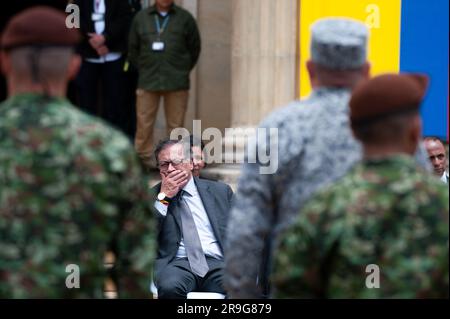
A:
[(387, 94), (38, 25)]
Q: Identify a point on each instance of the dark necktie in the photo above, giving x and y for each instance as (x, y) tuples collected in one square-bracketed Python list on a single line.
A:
[(194, 251)]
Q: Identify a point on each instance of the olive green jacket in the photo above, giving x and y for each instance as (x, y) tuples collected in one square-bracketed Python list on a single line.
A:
[(166, 70)]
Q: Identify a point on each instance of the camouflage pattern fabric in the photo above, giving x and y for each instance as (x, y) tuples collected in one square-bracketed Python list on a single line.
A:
[(315, 148), (385, 212), (71, 189)]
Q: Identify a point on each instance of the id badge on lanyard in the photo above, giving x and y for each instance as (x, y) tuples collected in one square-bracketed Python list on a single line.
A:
[(158, 45)]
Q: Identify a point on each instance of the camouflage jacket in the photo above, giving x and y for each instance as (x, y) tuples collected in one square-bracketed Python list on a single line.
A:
[(71, 189), (315, 147), (386, 213)]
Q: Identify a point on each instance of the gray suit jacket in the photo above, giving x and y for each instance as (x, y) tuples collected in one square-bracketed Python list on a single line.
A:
[(217, 199)]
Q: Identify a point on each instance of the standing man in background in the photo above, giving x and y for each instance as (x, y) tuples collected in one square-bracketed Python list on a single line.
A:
[(101, 89), (164, 45), (130, 83)]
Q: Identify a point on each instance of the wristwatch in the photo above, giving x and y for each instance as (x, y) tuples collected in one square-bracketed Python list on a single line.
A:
[(162, 197)]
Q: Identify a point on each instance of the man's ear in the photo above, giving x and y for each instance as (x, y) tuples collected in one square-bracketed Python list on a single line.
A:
[(415, 133), (74, 66), (5, 63), (366, 70), (311, 67)]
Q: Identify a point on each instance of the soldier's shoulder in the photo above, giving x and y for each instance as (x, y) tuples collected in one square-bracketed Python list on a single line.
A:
[(291, 124), (94, 133), (432, 185), (86, 123), (307, 111), (287, 114), (335, 194)]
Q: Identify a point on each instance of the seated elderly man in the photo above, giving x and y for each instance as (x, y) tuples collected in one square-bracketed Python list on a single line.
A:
[(193, 215)]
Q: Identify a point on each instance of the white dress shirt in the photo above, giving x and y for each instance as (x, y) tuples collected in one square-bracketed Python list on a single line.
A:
[(99, 12), (208, 240), (444, 177)]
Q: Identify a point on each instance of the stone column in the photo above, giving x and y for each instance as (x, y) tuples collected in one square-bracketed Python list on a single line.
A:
[(264, 57)]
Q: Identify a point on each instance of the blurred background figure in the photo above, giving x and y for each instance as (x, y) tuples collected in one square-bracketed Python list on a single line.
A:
[(164, 46), (130, 82), (382, 230), (72, 187), (101, 86), (198, 156), (438, 157)]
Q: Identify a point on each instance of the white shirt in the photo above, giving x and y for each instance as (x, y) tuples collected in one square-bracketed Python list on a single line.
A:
[(444, 177), (208, 240), (99, 11)]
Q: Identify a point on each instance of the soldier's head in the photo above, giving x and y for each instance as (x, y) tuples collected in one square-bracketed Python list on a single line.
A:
[(384, 113), (173, 155), (37, 52), (437, 155), (338, 53)]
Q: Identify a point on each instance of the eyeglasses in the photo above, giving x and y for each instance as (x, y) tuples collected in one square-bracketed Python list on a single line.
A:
[(165, 165)]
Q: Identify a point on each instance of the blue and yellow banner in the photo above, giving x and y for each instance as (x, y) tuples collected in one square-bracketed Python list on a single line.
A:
[(405, 35)]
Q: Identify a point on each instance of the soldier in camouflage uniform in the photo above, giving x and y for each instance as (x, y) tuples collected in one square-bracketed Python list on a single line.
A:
[(315, 148), (71, 188), (386, 212)]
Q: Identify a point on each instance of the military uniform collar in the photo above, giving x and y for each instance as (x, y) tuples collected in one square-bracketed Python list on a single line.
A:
[(325, 90), (35, 96), (401, 160)]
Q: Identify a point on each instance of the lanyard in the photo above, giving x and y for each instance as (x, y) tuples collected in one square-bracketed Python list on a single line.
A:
[(160, 29)]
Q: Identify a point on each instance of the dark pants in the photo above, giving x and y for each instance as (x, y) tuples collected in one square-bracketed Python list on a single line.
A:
[(101, 91), (130, 85), (177, 280)]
